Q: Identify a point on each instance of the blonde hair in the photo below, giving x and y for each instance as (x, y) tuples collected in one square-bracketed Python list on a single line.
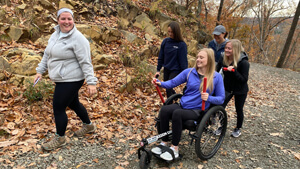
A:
[(237, 48), (210, 69)]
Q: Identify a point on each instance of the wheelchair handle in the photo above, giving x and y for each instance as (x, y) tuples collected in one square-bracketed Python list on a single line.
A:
[(204, 90), (226, 69), (158, 91)]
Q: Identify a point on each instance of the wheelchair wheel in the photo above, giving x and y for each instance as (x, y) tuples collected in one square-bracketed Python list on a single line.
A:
[(172, 99), (144, 160), (211, 132)]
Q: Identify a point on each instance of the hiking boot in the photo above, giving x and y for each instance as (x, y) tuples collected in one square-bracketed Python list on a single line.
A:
[(236, 132), (57, 141), (86, 128), (218, 131)]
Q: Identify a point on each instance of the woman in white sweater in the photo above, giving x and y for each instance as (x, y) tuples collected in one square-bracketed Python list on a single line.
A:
[(68, 61)]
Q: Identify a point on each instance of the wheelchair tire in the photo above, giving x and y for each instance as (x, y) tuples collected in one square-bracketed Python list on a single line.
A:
[(173, 98), (144, 160), (208, 141)]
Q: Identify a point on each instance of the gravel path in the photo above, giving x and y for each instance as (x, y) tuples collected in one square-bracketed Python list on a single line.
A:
[(270, 135)]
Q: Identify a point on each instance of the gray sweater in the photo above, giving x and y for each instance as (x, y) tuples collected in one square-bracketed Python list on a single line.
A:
[(68, 58)]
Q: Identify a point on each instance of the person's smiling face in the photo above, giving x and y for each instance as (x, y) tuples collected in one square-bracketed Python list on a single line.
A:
[(170, 33), (65, 22), (228, 50), (202, 59)]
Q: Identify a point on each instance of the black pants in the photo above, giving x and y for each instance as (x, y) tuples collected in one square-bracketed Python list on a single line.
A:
[(239, 101), (178, 116), (66, 95), (168, 75)]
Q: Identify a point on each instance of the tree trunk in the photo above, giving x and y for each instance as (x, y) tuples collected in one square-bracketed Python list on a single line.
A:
[(220, 11), (291, 51), (199, 13), (289, 38)]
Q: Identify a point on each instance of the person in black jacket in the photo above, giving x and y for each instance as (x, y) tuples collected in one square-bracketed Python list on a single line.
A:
[(172, 55), (235, 60)]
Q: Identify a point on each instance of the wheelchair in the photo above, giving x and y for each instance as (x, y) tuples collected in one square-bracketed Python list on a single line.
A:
[(207, 132)]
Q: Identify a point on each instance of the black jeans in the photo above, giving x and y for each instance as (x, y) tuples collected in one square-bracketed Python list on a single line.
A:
[(168, 75), (66, 95), (239, 101), (178, 116)]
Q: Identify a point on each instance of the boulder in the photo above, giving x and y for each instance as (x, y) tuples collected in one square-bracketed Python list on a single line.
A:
[(103, 59), (193, 47), (4, 65), (191, 60), (123, 23), (42, 41), (132, 38), (15, 33), (27, 66), (17, 80)]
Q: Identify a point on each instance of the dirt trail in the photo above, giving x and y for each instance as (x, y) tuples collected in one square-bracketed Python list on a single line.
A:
[(270, 135)]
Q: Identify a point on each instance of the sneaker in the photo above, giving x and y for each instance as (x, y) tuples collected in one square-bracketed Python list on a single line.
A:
[(157, 150), (167, 156), (57, 141), (218, 131), (236, 132), (86, 128)]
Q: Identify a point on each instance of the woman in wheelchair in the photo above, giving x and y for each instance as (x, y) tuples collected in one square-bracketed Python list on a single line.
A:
[(190, 104)]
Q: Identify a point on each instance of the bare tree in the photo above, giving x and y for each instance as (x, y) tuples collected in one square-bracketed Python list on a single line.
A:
[(265, 12), (289, 38), (220, 12)]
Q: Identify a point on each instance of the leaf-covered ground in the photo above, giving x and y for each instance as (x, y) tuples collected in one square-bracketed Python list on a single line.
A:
[(270, 135)]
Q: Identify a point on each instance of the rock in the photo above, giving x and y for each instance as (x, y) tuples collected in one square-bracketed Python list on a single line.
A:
[(15, 33), (17, 80), (46, 4), (27, 66), (4, 65), (42, 41), (103, 59), (191, 60), (123, 23), (193, 47), (2, 77), (148, 37), (110, 35), (132, 38), (100, 67), (64, 4), (22, 7)]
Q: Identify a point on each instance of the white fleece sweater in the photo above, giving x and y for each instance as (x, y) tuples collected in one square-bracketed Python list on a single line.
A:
[(68, 58)]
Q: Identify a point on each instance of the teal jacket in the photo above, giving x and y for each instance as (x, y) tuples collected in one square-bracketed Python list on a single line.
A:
[(67, 58)]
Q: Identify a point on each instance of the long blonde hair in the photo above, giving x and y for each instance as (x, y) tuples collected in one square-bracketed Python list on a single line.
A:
[(210, 69), (237, 48)]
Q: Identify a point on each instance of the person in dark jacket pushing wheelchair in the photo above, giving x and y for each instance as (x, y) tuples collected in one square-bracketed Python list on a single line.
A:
[(191, 101), (235, 67)]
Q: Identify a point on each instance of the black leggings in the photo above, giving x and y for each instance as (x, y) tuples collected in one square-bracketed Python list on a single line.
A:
[(178, 116), (239, 101), (66, 95), (168, 75)]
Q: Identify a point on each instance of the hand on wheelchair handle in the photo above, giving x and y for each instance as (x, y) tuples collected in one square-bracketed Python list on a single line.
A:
[(204, 96), (155, 82)]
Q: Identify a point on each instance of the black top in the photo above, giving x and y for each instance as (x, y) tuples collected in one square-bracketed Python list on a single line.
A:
[(236, 82)]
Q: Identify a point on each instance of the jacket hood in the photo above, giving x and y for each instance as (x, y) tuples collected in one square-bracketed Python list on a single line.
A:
[(243, 56)]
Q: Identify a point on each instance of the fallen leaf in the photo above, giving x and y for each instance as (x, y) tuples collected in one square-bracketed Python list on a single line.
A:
[(200, 166)]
